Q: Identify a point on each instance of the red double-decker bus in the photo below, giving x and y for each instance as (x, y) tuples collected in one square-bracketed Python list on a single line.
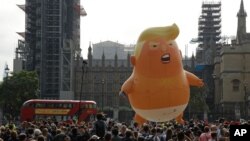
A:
[(60, 110)]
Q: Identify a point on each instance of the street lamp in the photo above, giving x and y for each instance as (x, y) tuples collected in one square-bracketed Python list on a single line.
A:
[(7, 70), (245, 100), (103, 81), (84, 63)]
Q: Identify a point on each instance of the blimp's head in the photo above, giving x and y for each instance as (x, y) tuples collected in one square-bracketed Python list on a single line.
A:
[(157, 53)]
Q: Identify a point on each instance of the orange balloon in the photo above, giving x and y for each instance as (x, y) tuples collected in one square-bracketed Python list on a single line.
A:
[(158, 88)]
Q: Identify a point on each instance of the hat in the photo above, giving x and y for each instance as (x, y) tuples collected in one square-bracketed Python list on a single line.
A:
[(37, 132), (95, 137)]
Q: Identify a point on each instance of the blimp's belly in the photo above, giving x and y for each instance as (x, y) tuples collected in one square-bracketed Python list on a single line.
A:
[(162, 114)]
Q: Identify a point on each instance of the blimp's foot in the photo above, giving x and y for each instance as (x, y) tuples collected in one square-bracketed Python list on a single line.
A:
[(179, 119), (140, 120)]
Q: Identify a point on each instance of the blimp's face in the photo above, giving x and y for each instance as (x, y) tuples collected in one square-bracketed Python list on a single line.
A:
[(159, 58)]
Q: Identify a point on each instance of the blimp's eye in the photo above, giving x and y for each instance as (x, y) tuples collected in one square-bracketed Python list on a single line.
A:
[(172, 44), (154, 44)]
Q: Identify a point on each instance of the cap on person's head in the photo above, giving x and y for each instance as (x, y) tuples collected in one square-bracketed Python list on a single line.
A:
[(95, 137), (22, 136), (37, 132)]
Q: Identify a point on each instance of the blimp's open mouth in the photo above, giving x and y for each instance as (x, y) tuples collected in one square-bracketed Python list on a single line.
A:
[(165, 58)]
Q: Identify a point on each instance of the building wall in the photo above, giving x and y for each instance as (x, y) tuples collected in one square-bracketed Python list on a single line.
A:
[(103, 78), (234, 65), (110, 48), (232, 74)]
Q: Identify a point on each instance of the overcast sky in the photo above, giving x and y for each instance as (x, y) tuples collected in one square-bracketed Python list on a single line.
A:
[(121, 21)]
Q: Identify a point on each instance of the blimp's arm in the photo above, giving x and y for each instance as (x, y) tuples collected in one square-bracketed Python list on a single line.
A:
[(193, 80), (128, 85)]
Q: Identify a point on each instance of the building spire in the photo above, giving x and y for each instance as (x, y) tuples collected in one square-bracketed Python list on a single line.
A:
[(241, 30), (90, 55), (103, 58), (242, 10)]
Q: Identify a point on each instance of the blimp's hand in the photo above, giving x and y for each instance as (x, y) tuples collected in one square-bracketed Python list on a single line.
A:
[(200, 83), (127, 86), (123, 94), (194, 80)]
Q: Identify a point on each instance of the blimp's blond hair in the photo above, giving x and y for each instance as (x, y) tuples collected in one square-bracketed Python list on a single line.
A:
[(166, 32)]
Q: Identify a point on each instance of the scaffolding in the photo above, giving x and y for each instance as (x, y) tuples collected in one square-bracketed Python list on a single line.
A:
[(209, 37), (52, 44), (210, 23)]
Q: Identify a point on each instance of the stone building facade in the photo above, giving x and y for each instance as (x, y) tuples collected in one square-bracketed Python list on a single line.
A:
[(232, 74), (103, 77)]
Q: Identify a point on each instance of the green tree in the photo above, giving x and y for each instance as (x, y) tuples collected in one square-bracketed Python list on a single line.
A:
[(16, 89), (197, 101)]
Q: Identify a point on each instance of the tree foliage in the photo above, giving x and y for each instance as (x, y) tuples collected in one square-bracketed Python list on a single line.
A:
[(197, 101), (16, 89)]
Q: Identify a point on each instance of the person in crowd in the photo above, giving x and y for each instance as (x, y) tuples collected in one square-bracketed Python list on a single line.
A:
[(60, 136), (84, 134), (94, 138), (169, 135), (123, 129), (74, 135), (205, 136), (128, 136), (41, 138), (189, 135), (180, 136), (107, 137), (46, 134), (100, 126), (22, 137), (115, 132), (13, 136), (213, 136)]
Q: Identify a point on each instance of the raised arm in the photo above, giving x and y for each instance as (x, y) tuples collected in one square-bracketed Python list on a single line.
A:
[(193, 80)]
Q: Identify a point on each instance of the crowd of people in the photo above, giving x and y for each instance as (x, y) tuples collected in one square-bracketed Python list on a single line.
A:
[(103, 129)]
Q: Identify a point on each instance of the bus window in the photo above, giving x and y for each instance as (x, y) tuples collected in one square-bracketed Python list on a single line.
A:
[(59, 105), (56, 105), (39, 105), (70, 105), (67, 105), (85, 106), (90, 106), (28, 105), (50, 105)]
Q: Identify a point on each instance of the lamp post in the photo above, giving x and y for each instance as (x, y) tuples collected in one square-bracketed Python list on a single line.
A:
[(222, 109), (6, 71), (103, 81), (245, 100), (84, 63)]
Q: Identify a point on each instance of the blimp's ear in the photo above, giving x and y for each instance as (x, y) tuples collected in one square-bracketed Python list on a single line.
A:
[(132, 60)]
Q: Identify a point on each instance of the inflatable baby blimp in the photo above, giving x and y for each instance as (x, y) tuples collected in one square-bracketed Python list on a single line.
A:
[(158, 88)]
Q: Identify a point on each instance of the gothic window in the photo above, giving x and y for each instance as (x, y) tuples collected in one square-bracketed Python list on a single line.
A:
[(236, 85)]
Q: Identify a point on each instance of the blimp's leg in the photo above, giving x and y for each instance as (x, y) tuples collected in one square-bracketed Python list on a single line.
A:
[(140, 120), (179, 119)]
